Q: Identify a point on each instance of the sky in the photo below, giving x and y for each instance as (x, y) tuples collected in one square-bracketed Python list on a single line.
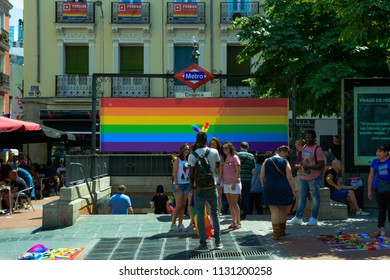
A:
[(16, 14)]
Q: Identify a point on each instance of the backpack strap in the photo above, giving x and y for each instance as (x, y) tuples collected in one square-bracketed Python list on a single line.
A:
[(195, 154)]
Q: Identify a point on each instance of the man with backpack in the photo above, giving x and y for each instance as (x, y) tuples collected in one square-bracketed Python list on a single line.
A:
[(312, 168), (203, 162)]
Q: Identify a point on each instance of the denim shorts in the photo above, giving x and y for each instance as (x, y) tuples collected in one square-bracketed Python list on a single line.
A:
[(339, 195), (184, 188), (227, 188)]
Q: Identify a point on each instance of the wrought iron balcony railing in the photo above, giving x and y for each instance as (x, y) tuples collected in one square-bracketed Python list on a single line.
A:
[(75, 12), (130, 87), (186, 12), (73, 86), (4, 80), (130, 13), (232, 10)]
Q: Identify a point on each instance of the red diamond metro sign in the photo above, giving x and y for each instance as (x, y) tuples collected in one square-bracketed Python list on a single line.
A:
[(194, 76)]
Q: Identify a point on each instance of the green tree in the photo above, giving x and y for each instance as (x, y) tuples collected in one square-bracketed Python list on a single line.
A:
[(304, 39)]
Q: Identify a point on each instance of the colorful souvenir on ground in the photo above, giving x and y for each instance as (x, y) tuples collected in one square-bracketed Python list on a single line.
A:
[(354, 241), (40, 252), (163, 124)]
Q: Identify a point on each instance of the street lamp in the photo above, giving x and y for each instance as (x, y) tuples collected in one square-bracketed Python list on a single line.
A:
[(195, 49)]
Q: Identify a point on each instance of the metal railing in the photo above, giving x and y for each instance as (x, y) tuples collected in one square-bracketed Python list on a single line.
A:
[(75, 12), (186, 12), (130, 87), (118, 165), (130, 13), (231, 10), (73, 86)]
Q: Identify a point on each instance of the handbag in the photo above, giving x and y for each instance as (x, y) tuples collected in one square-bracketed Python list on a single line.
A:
[(383, 186)]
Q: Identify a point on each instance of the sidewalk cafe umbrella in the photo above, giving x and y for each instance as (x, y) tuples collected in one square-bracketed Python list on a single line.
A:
[(16, 132)]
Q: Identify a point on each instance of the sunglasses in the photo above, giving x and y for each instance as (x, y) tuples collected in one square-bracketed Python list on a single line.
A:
[(225, 148), (186, 150)]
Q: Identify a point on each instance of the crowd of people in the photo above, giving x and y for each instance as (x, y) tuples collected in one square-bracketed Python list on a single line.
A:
[(26, 179)]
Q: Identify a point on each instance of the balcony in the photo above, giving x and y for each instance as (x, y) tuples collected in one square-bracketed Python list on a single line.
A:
[(4, 39), (232, 10), (73, 86), (235, 90), (75, 12), (130, 13), (4, 82), (186, 12), (130, 87)]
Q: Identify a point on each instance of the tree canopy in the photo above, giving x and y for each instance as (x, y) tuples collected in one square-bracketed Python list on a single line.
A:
[(319, 42)]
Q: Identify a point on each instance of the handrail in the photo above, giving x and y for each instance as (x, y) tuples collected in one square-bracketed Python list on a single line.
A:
[(88, 186)]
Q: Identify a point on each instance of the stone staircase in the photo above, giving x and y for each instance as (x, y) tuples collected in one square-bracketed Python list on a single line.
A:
[(141, 189)]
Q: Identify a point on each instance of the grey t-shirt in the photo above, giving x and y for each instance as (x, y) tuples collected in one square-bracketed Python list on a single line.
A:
[(212, 157)]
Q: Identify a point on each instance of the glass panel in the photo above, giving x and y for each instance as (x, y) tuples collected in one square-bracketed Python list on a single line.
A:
[(76, 60)]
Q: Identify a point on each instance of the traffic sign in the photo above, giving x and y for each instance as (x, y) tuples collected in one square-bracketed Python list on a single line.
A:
[(194, 76)]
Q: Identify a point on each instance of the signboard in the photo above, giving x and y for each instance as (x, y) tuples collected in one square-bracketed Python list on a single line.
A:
[(163, 124), (185, 10), (73, 10), (129, 11), (197, 94), (194, 76), (371, 122)]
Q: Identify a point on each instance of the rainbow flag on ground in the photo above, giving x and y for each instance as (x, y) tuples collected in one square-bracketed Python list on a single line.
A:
[(163, 124)]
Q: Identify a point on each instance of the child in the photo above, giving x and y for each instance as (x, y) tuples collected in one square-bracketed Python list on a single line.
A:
[(160, 202)]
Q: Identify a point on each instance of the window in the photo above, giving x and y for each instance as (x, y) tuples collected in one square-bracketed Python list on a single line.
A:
[(183, 59), (76, 60), (233, 67), (131, 59)]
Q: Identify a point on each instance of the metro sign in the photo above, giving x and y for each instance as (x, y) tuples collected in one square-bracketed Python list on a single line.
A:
[(194, 76)]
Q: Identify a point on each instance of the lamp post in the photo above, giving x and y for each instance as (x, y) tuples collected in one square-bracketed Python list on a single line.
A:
[(195, 49)]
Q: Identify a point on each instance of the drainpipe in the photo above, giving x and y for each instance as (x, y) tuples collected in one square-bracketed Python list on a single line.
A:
[(38, 42), (211, 37)]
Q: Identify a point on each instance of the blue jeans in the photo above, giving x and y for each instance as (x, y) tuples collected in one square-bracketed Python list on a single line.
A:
[(312, 186), (211, 196)]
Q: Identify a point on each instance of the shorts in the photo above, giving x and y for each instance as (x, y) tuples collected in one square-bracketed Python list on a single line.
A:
[(184, 188), (227, 188), (339, 195)]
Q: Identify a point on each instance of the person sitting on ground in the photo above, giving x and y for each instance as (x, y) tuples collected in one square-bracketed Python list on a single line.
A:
[(120, 203), (160, 202), (340, 192)]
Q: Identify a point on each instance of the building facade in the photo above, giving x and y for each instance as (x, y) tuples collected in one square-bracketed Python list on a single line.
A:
[(66, 42), (5, 98)]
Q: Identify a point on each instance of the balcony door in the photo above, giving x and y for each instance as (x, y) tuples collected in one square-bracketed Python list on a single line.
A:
[(76, 60), (233, 67), (131, 60)]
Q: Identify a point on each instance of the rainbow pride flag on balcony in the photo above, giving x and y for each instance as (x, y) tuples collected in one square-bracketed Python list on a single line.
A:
[(73, 10), (163, 124), (129, 10), (185, 10)]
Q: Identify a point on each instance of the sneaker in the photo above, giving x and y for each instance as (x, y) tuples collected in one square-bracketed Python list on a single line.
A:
[(362, 213), (237, 226), (202, 248), (190, 227), (181, 227), (232, 226), (312, 222), (174, 227), (218, 245), (294, 221)]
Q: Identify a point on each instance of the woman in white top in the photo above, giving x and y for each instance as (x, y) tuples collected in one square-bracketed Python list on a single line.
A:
[(181, 186)]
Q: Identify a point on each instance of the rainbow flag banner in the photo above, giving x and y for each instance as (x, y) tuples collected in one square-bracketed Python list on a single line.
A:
[(163, 124), (129, 10), (185, 10), (72, 10)]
